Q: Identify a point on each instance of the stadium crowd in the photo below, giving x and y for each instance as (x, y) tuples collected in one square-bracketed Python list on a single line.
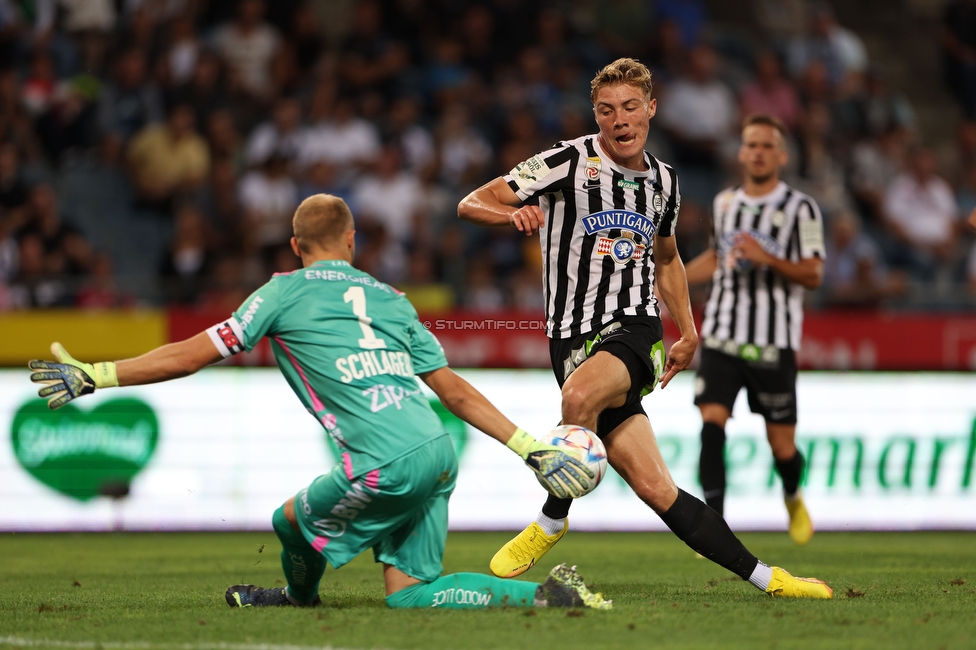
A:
[(153, 151)]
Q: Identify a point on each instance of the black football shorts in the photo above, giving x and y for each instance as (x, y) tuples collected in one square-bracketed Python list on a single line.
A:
[(771, 388), (635, 340)]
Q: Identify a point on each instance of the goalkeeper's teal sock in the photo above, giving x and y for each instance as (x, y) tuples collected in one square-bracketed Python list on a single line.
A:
[(303, 566), (466, 591)]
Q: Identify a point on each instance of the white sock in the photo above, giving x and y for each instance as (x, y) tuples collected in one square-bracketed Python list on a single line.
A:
[(548, 525), (761, 576)]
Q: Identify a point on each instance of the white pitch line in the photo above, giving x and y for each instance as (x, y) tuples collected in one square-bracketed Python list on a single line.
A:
[(141, 645)]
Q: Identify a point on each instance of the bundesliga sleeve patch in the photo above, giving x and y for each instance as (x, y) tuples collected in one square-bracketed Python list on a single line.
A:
[(227, 337), (530, 172), (811, 235)]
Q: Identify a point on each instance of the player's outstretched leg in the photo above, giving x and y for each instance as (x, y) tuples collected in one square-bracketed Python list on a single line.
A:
[(524, 550), (702, 529), (563, 588)]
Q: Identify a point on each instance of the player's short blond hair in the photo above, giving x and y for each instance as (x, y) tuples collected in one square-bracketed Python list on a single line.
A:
[(320, 222), (623, 71)]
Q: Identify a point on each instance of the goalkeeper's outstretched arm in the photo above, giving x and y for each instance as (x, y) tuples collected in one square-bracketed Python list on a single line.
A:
[(68, 378), (561, 474)]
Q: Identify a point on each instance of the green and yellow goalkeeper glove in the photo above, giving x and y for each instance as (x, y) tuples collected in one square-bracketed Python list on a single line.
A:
[(562, 474), (70, 378)]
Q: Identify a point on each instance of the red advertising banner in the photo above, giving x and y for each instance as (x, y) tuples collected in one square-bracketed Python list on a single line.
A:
[(832, 340)]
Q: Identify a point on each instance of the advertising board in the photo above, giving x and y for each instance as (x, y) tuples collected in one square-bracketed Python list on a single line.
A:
[(222, 449)]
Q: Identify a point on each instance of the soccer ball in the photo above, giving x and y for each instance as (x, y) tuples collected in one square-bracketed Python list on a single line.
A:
[(582, 443)]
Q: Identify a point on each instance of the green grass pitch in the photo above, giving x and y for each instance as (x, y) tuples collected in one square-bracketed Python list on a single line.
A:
[(165, 591)]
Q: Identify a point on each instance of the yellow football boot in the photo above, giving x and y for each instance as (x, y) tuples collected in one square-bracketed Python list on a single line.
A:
[(783, 585), (801, 528), (525, 549)]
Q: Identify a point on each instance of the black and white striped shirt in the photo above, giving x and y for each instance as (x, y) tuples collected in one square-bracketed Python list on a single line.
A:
[(750, 305), (597, 242)]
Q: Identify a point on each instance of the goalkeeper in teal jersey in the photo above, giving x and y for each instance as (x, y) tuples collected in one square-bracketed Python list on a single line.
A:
[(351, 348)]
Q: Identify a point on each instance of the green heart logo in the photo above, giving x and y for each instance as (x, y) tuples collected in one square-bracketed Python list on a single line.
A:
[(85, 455)]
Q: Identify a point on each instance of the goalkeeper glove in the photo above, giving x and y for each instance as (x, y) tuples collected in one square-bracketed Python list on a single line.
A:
[(562, 474), (70, 378)]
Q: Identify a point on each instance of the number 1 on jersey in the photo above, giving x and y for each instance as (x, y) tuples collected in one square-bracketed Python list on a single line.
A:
[(357, 297)]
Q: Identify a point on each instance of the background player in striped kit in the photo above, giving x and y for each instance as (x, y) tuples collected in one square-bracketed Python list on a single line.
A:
[(606, 214), (767, 247)]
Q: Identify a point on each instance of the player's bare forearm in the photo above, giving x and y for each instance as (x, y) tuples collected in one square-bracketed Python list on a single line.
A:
[(702, 268), (495, 204), (492, 204), (168, 361), (673, 286), (463, 400), (808, 273)]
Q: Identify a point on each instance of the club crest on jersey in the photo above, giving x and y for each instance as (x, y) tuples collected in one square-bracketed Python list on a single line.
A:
[(621, 249), (657, 202), (624, 219)]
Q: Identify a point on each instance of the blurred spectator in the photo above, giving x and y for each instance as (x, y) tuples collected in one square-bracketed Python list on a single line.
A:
[(854, 273), (67, 129), (820, 173), (282, 136), (168, 159), (15, 123), (482, 53), (622, 27), (34, 284), (320, 178), (369, 58), (874, 162), (445, 76), (839, 49), (224, 139), (957, 155), (688, 15), (248, 45), (959, 53), (128, 102), (343, 139), (966, 194), (699, 114), (182, 51), (782, 20), (100, 290), (869, 108), (482, 292), (203, 90), (526, 290), (304, 41), (922, 217), (414, 140), (393, 197), (268, 197), (463, 153), (37, 89), (66, 251), (13, 190), (225, 288), (771, 94), (188, 259), (89, 23), (219, 201)]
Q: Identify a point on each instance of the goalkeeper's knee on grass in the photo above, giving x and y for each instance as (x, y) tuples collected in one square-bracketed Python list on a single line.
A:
[(303, 565)]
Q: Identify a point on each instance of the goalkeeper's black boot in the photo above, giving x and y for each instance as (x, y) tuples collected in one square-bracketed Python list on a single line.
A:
[(251, 596)]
